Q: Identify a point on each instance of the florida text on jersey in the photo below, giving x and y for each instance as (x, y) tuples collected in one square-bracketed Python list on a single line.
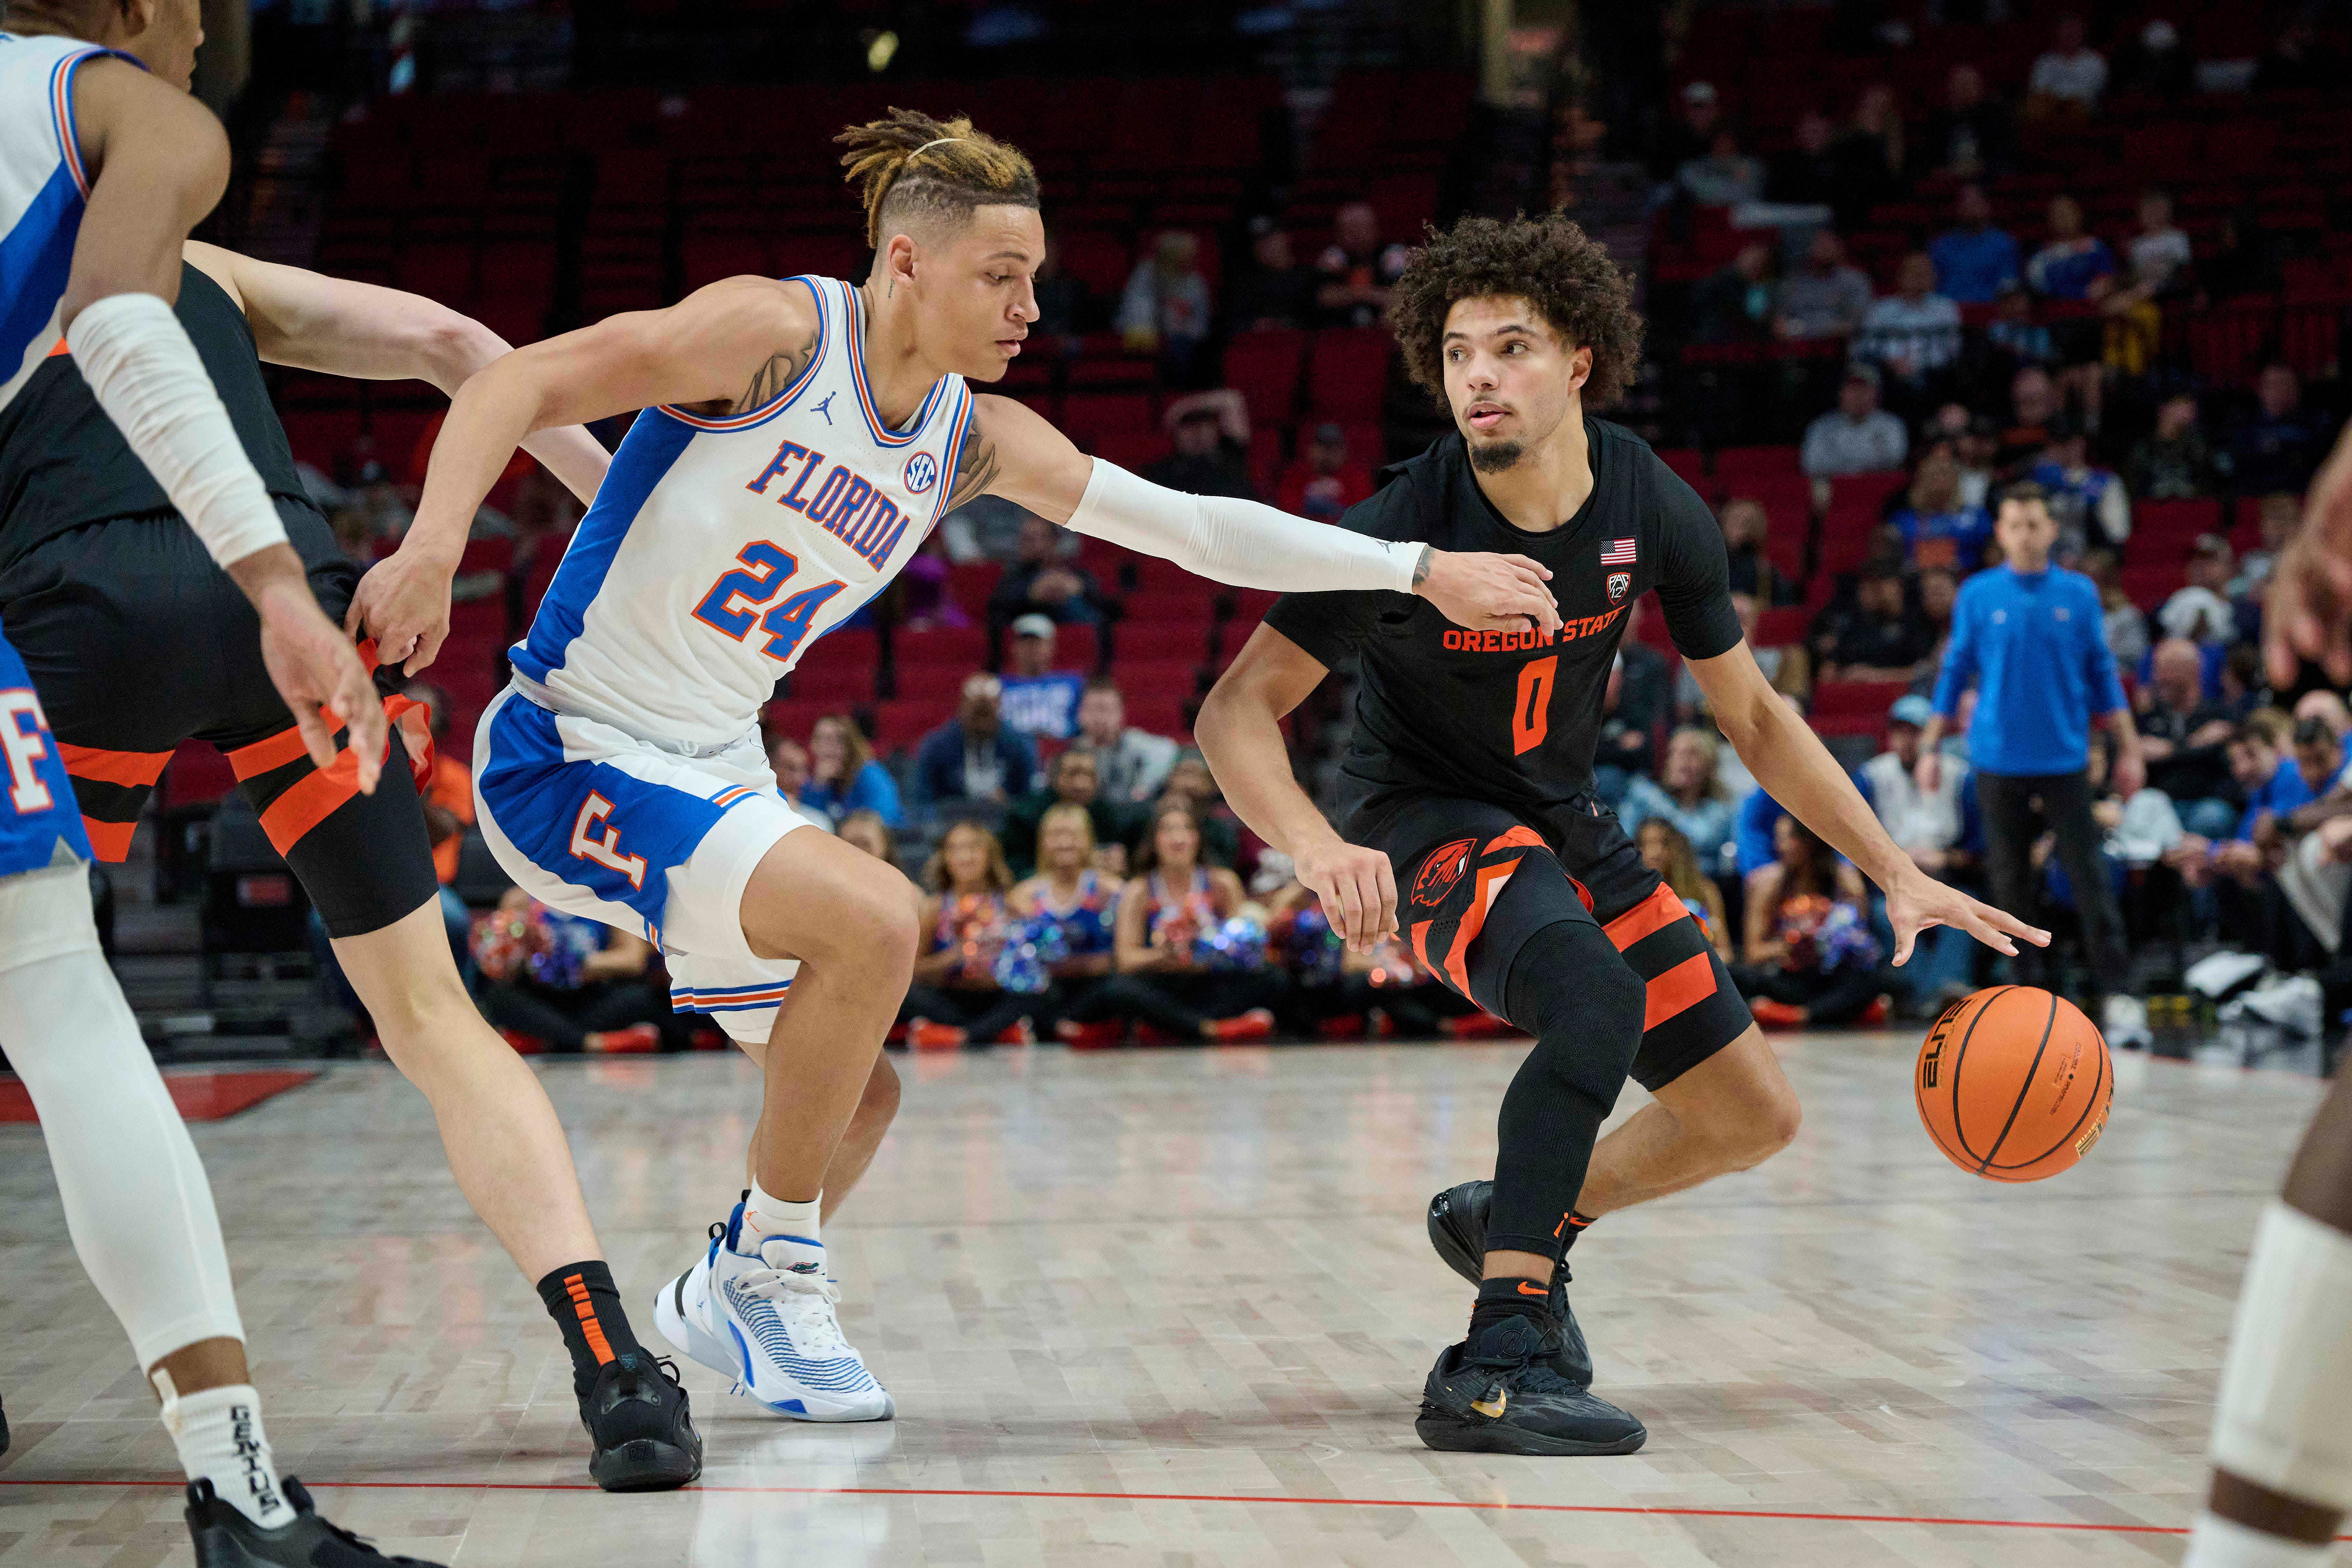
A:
[(719, 549)]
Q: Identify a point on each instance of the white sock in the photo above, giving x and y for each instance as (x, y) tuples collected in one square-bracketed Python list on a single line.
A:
[(219, 1435), (765, 1217), (2219, 1542)]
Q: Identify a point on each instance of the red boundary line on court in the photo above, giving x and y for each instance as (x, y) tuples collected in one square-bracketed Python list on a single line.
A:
[(1212, 1497)]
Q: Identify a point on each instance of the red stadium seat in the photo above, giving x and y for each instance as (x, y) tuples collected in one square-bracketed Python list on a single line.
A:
[(966, 647), (1850, 699), (1782, 628), (1866, 493), (1265, 368), (1347, 373), (1086, 417)]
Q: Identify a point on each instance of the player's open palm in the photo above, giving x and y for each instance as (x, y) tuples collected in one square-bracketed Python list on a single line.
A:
[(403, 604), (313, 665), (1357, 888), (1917, 901), (1490, 593)]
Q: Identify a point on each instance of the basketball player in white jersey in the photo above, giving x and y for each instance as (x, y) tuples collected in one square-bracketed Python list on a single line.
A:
[(105, 164), (2283, 1435), (799, 439)]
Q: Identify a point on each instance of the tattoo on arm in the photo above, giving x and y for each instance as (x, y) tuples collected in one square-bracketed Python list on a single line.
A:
[(976, 464), (1420, 567), (772, 378)]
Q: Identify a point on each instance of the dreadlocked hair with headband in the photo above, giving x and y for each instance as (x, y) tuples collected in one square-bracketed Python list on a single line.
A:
[(911, 166)]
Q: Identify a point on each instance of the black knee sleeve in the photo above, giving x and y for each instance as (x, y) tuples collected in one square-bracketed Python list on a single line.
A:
[(1573, 991)]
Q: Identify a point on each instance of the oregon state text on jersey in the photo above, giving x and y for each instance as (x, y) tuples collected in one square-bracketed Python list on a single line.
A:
[(718, 550), (42, 187)]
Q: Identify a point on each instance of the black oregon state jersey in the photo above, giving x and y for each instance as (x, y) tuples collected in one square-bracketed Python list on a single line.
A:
[(1511, 718), (63, 464)]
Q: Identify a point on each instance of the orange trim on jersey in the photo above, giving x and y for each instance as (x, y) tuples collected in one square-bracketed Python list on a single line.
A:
[(1521, 836), (99, 766), (268, 756), (1679, 989), (1491, 881), (110, 841), (589, 1327), (1652, 915)]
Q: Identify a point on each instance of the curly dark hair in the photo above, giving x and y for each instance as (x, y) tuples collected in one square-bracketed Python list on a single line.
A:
[(1548, 261)]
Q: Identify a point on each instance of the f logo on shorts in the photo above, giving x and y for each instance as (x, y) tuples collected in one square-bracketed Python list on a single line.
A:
[(604, 847)]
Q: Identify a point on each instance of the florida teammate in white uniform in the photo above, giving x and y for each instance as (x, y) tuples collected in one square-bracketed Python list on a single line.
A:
[(800, 438), (104, 167)]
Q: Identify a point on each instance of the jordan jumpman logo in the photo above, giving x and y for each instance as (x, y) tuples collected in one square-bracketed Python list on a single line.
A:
[(825, 408)]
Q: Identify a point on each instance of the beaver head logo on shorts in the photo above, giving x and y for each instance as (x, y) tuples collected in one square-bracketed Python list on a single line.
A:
[(1439, 870)]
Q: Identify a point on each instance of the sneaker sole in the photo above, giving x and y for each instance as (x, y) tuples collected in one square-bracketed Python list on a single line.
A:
[(645, 1465), (1452, 1435)]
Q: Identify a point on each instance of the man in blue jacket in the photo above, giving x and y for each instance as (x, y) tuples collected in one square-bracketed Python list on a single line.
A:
[(975, 755), (2033, 638)]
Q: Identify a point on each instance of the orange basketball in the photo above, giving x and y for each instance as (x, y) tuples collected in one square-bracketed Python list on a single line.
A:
[(2014, 1084)]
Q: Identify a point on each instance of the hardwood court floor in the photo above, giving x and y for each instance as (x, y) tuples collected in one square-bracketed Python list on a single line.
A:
[(1175, 1307)]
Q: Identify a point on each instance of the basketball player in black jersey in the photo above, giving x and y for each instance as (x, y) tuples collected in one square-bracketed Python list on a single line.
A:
[(1470, 822), (136, 642)]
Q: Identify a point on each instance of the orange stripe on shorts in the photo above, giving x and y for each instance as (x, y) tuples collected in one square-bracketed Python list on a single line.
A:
[(110, 841), (1491, 881), (310, 802), (268, 756), (1679, 989), (99, 766), (1652, 915)]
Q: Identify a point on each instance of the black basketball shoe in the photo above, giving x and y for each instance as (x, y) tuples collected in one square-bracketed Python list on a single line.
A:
[(226, 1538), (1496, 1393), (4, 1431), (637, 1417), (1457, 1229)]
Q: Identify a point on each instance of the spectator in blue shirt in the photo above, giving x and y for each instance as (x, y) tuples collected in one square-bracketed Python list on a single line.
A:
[(844, 776), (1974, 261), (1937, 528), (1038, 698), (1686, 794), (2033, 638)]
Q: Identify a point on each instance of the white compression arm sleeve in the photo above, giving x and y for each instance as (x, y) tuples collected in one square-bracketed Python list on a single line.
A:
[(1237, 542), (145, 374)]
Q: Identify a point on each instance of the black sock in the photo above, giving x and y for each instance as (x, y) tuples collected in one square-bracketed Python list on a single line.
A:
[(1501, 1298), (580, 1297), (1572, 1227)]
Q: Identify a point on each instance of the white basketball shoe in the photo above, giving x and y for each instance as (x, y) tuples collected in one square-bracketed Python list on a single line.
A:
[(766, 1320)]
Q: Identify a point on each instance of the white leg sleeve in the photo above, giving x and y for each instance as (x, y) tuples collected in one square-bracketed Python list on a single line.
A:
[(136, 1201), (2286, 1415)]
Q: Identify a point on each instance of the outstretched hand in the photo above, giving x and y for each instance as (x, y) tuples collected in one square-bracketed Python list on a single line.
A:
[(403, 604), (1490, 593), (314, 667), (1916, 900)]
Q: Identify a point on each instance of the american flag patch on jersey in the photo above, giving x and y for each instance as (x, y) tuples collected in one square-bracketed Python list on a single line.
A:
[(1617, 553)]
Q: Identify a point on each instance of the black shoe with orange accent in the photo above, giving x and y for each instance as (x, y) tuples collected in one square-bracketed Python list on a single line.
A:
[(1457, 1229), (1496, 1393), (638, 1415), (226, 1538)]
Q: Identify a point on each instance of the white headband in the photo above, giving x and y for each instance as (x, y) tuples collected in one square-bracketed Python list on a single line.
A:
[(927, 146)]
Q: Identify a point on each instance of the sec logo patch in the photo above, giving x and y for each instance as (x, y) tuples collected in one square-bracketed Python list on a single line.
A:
[(922, 472), (1441, 870)]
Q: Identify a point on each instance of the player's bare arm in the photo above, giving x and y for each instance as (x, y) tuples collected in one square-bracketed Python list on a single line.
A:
[(340, 327), (2309, 611), (1240, 733), (160, 161), (724, 348), (1793, 767), (1009, 450)]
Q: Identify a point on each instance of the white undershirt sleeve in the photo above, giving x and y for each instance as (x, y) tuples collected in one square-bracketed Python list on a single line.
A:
[(1237, 542), (146, 374)]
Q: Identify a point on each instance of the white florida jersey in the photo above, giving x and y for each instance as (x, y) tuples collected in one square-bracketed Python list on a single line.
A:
[(42, 185), (718, 550)]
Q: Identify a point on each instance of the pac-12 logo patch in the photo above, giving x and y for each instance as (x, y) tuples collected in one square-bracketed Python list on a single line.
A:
[(1619, 581), (1439, 870), (922, 472)]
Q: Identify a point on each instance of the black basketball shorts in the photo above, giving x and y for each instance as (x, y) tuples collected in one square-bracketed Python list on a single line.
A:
[(136, 641), (1454, 858)]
